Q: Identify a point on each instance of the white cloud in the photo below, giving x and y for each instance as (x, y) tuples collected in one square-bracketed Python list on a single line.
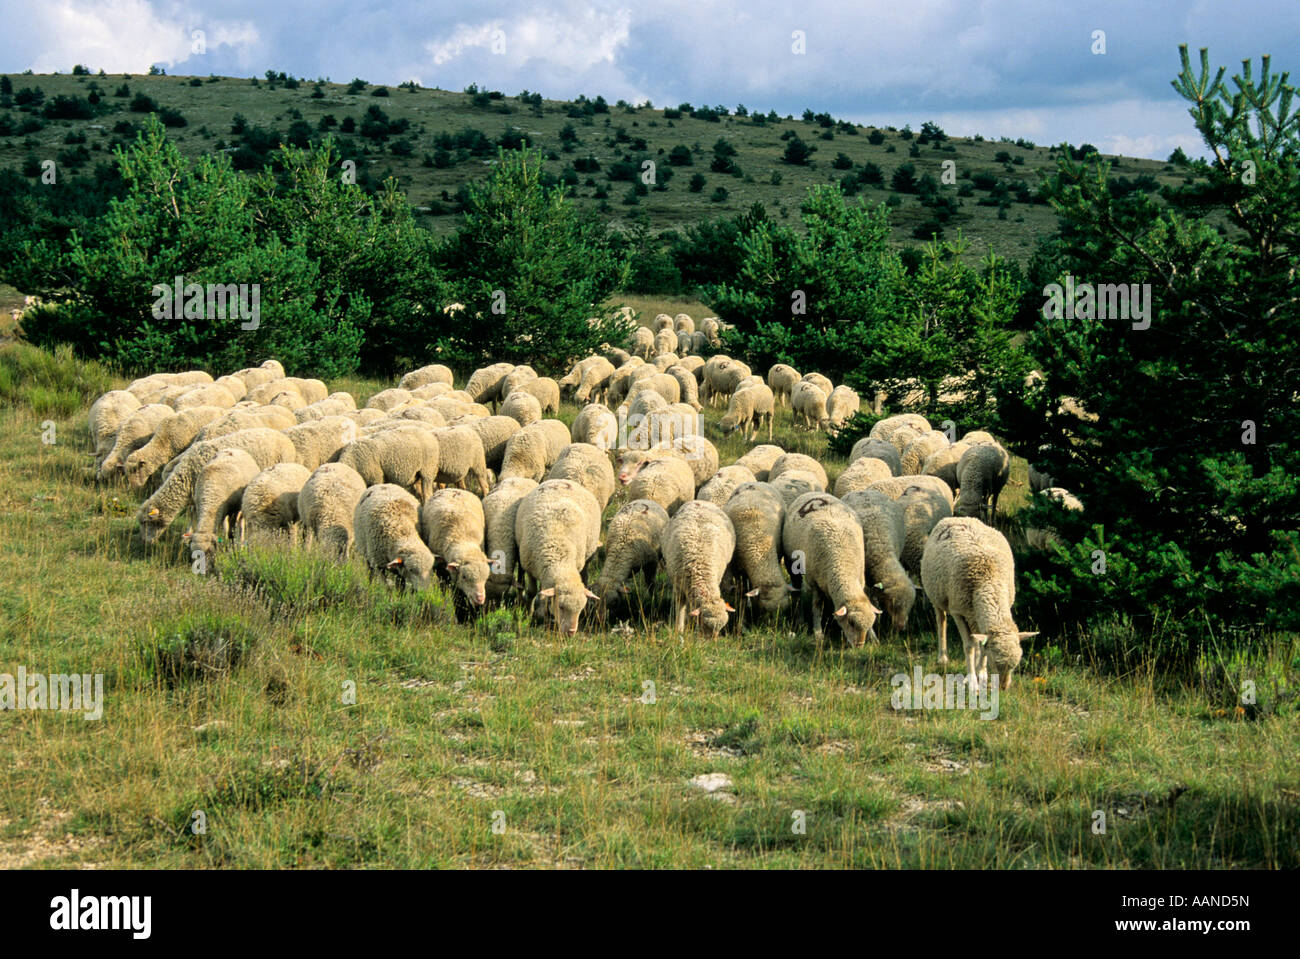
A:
[(578, 39), (117, 35)]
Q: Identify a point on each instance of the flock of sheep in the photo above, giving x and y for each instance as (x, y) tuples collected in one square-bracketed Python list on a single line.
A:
[(427, 480)]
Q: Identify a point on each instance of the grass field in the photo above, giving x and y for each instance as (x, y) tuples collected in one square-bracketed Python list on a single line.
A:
[(210, 107), (502, 744)]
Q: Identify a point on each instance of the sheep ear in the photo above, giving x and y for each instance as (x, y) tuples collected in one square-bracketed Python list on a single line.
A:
[(752, 593), (696, 611), (1029, 635), (153, 512), (871, 606), (879, 586), (394, 564), (548, 592), (453, 566), (980, 638), (590, 594), (186, 535), (842, 611), (729, 607)]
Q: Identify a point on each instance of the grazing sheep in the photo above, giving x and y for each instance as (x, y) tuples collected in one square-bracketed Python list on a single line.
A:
[(860, 474), (429, 417), (270, 502), (880, 449), (557, 529), (662, 322), (484, 384), (667, 480), (822, 383), (616, 356), (885, 427), (700, 455), (782, 378), (516, 378), (320, 441), (495, 433), (757, 514), (759, 460), (943, 463), (499, 508), (661, 383), (596, 424), (1047, 538), (461, 458), (643, 343), (665, 341), (711, 329), (809, 405), (431, 391), (588, 466), (620, 382), (795, 483), (405, 456), (172, 437), (684, 342), (136, 430), (327, 504), (107, 414), (721, 378), (426, 375), (723, 483), (234, 385), (913, 457), (522, 406), (389, 400), (545, 390), (205, 395), (747, 410), (270, 417), (822, 541), (791, 462), (925, 501), (218, 493), (698, 544), (841, 404), (969, 573), (979, 436), (1039, 481), (688, 386), (884, 533), (683, 323), (387, 525), (534, 450), (631, 545), (333, 405), (594, 376), (982, 472), (453, 525)]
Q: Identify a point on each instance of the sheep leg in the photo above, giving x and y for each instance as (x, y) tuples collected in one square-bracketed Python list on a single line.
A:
[(941, 626), (679, 603), (972, 649), (818, 633)]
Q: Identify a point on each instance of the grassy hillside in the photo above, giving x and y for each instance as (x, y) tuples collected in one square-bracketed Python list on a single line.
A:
[(406, 147), (223, 695)]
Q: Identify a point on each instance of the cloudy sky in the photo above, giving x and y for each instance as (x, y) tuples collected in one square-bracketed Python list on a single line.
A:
[(997, 67)]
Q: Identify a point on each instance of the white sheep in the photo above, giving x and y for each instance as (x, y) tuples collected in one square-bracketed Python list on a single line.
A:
[(588, 466), (631, 545), (426, 375), (757, 514), (943, 463), (800, 462), (723, 483), (136, 430), (781, 378), (698, 544), (270, 501), (320, 441), (808, 404), (107, 414), (860, 474), (494, 432), (218, 493), (557, 529), (327, 504), (969, 573), (596, 424), (747, 410), (521, 406), (387, 525), (405, 456), (462, 460), (534, 450), (880, 449), (499, 509), (172, 437), (884, 534), (925, 501), (841, 404), (792, 484), (916, 452), (759, 460), (982, 472), (453, 525), (667, 479), (822, 541)]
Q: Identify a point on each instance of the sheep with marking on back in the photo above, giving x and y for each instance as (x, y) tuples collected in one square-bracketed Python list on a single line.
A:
[(698, 544), (822, 541)]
